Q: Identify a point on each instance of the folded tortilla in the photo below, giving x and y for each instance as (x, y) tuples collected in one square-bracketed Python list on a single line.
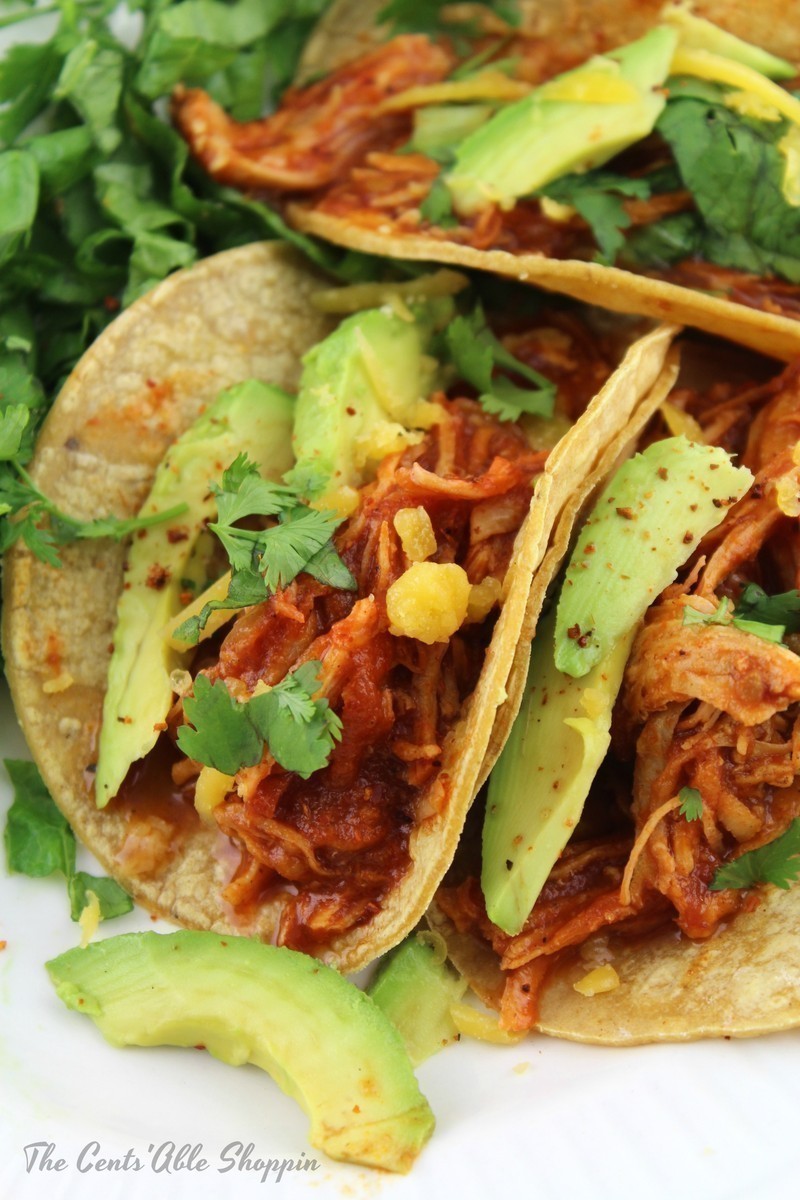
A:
[(241, 314), (740, 982), (579, 29)]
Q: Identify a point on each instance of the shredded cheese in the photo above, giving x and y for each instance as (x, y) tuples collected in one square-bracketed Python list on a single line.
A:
[(89, 918), (679, 422), (489, 85), (357, 296), (475, 1024), (640, 843), (210, 790), (601, 979), (704, 65)]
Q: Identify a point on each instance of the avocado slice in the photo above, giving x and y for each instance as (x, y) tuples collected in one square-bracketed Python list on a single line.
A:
[(252, 416), (539, 784), (362, 396), (325, 1043), (696, 33), (416, 989), (644, 525), (574, 122)]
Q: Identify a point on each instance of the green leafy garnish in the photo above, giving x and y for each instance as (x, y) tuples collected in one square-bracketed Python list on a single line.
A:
[(777, 862), (723, 614), (264, 560), (691, 804), (39, 842), (478, 355), (299, 731), (735, 171), (782, 609), (598, 197), (437, 207), (99, 197)]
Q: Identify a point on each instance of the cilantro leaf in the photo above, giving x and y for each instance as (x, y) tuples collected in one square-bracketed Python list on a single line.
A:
[(39, 842), (114, 901), (245, 493), (287, 548), (13, 422), (691, 804), (38, 838), (781, 609), (724, 615), (777, 862), (597, 196), (223, 736), (437, 207), (477, 354), (735, 171), (246, 587), (299, 731)]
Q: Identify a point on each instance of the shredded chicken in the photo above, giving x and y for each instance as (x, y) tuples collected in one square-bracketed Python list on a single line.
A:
[(319, 130), (709, 707)]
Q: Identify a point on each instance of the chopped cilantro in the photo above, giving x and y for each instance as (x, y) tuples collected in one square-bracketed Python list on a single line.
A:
[(437, 207), (777, 862), (735, 171), (598, 197), (299, 731), (724, 615), (264, 560), (40, 842), (782, 609), (691, 804), (477, 355)]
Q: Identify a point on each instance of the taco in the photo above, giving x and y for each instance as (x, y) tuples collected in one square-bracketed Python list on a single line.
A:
[(291, 752), (640, 159), (643, 821)]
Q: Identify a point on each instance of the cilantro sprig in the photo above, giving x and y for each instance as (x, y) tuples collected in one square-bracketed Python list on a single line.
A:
[(264, 560), (478, 357), (39, 842), (42, 526), (778, 862), (691, 806), (299, 731), (782, 609), (599, 198), (724, 614)]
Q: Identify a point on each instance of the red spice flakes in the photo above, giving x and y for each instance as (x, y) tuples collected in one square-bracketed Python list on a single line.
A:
[(663, 473), (179, 534), (574, 632), (688, 538), (627, 513), (157, 577)]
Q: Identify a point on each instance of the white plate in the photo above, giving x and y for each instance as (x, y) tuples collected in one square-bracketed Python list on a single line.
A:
[(543, 1119)]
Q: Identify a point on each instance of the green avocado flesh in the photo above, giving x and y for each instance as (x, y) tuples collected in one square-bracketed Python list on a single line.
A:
[(539, 785), (361, 395), (536, 140), (696, 33), (415, 988), (251, 416), (644, 526), (324, 1042)]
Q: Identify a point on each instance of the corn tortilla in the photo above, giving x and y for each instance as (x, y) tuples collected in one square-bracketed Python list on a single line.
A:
[(243, 313), (349, 28)]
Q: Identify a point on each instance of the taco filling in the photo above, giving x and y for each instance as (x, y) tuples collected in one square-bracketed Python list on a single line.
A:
[(695, 806), (371, 651), (674, 156)]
